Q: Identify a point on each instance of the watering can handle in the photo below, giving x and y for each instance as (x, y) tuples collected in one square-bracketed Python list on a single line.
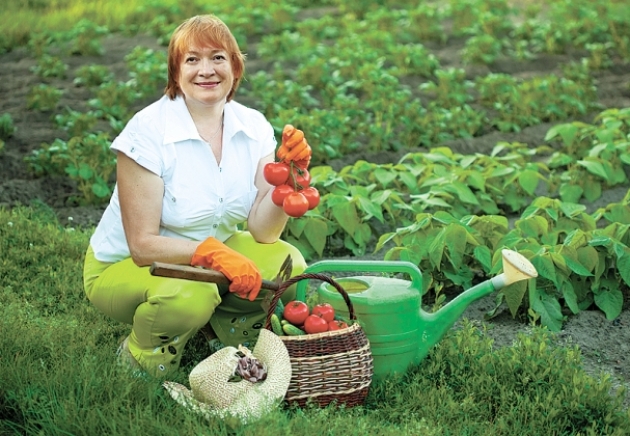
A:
[(377, 266)]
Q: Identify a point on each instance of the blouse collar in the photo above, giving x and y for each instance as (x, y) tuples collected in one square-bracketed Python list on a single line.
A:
[(179, 125)]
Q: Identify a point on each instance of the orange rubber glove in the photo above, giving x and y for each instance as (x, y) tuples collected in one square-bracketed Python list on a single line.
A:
[(242, 272), (294, 147)]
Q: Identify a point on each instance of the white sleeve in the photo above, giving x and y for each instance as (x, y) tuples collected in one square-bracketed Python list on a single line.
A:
[(141, 146), (268, 141)]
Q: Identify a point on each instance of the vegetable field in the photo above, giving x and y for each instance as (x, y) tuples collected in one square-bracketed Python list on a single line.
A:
[(441, 133)]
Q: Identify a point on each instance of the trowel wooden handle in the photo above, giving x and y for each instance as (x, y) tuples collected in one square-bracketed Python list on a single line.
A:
[(198, 274)]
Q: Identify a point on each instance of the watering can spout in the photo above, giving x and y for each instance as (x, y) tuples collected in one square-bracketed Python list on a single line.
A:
[(515, 268)]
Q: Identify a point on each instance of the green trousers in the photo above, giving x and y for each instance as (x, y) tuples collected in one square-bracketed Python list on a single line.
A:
[(165, 312)]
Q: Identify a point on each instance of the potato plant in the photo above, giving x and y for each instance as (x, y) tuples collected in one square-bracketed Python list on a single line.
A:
[(86, 159), (43, 97), (76, 123), (147, 71), (85, 38), (50, 66), (7, 127), (92, 75), (367, 77)]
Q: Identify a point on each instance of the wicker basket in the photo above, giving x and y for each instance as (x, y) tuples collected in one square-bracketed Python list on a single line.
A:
[(330, 366)]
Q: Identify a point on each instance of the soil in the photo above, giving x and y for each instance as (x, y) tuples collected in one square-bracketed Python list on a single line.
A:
[(605, 345)]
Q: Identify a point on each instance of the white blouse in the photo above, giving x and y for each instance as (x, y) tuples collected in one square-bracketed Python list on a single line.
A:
[(201, 198)]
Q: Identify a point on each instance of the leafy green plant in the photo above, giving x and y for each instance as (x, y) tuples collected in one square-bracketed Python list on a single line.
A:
[(50, 66), (494, 20), (39, 43), (425, 22), (579, 264), (592, 156), (482, 49), (449, 252), (85, 159), (277, 95), (528, 102), (92, 75), (85, 38), (76, 123), (614, 212), (599, 55), (331, 131), (7, 127), (147, 70), (414, 59), (43, 97), (442, 124), (114, 99), (562, 242), (451, 89), (463, 14), (520, 50)]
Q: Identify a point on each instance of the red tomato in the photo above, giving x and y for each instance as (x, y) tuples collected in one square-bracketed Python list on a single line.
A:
[(279, 194), (325, 310), (295, 204), (312, 195), (276, 173), (302, 178), (315, 324), (296, 312), (336, 324)]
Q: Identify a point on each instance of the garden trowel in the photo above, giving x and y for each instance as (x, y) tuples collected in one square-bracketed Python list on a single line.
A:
[(209, 275)]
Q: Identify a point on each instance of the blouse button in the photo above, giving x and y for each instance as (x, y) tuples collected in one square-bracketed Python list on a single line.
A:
[(214, 226), (220, 200), (133, 149), (174, 199)]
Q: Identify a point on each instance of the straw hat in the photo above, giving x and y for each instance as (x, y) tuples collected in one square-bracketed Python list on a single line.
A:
[(213, 396)]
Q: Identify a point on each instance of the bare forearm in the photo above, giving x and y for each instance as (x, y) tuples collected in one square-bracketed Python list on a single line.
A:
[(149, 249), (266, 221)]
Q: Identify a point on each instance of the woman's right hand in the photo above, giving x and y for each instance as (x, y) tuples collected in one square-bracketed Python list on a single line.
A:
[(242, 272)]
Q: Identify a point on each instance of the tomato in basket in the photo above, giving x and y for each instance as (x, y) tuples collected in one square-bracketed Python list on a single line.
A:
[(325, 310), (315, 324), (296, 312)]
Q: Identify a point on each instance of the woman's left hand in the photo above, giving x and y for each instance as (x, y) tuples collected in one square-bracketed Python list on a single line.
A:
[(294, 147)]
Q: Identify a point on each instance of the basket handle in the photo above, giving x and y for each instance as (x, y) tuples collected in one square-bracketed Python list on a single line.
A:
[(315, 276)]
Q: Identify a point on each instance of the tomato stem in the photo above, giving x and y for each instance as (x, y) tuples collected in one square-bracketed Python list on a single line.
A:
[(296, 186)]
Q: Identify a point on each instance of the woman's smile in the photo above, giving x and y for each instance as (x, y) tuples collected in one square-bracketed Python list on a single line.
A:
[(208, 85)]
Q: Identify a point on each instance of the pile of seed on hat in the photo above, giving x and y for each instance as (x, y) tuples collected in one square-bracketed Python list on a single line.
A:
[(249, 368)]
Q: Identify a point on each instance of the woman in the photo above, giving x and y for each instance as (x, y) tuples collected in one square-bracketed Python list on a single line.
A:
[(189, 171)]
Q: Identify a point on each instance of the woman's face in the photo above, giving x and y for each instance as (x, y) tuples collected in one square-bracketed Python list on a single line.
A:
[(205, 76)]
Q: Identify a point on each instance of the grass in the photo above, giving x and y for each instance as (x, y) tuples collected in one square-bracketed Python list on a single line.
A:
[(21, 18), (58, 373)]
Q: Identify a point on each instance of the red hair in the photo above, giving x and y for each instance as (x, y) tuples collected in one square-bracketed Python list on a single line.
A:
[(202, 31)]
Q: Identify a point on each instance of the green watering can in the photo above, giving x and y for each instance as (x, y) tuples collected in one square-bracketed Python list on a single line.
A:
[(390, 310)]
